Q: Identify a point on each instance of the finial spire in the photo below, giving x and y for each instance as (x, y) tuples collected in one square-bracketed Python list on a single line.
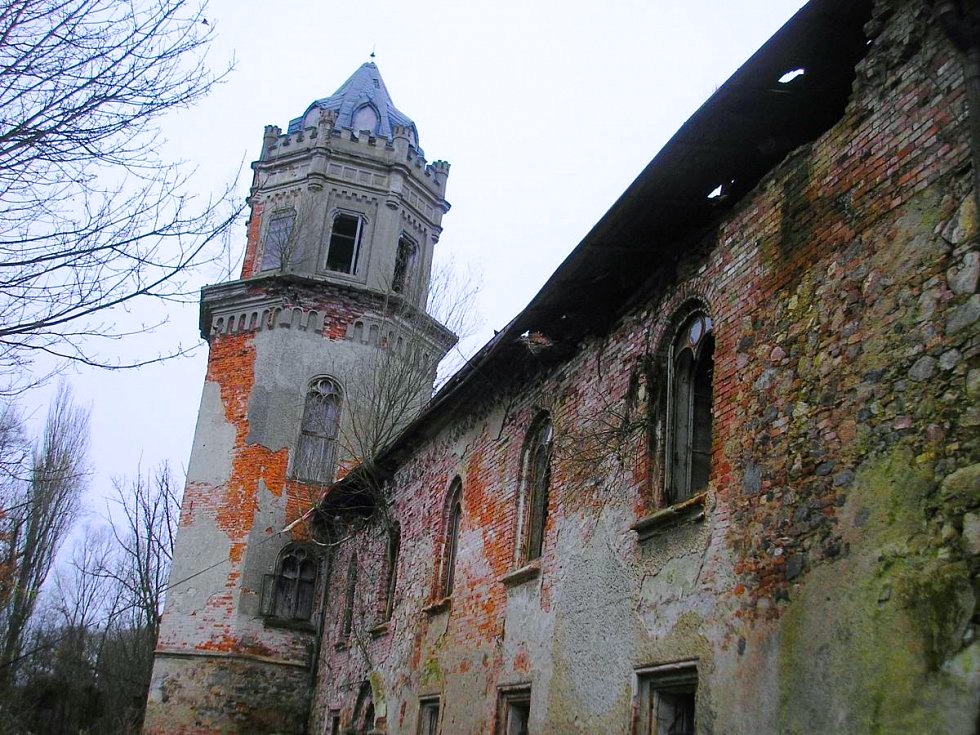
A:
[(372, 50)]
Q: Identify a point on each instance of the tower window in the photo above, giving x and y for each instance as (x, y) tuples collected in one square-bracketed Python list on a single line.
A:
[(345, 242), (535, 482), (404, 264), (689, 421), (277, 250), (295, 579), (316, 453)]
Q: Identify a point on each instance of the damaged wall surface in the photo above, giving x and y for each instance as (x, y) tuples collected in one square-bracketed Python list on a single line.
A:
[(722, 475)]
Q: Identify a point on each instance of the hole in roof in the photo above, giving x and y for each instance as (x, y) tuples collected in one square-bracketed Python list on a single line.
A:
[(791, 75), (715, 193)]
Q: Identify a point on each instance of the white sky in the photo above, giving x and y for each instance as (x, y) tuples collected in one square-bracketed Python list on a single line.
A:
[(546, 109)]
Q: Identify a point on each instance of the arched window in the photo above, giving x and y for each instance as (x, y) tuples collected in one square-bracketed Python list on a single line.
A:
[(689, 405), (362, 721), (452, 518), (316, 453), (392, 549), (295, 581), (535, 483)]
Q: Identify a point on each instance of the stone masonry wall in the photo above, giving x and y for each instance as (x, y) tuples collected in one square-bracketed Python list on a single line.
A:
[(831, 583)]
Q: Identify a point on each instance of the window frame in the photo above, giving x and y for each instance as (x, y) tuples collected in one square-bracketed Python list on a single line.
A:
[(316, 447), (406, 259), (690, 361), (386, 608), (430, 712), (653, 683), (355, 242), (276, 591), (276, 216), (350, 592), (535, 489), (508, 698), (451, 524)]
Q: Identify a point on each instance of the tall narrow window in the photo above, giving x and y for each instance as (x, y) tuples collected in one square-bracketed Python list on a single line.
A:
[(535, 484), (452, 519), (345, 242), (391, 568), (349, 592), (689, 431), (363, 720), (404, 264), (294, 584), (667, 699), (277, 248), (316, 452)]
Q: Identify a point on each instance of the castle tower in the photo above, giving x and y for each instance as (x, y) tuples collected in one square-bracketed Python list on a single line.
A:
[(345, 213)]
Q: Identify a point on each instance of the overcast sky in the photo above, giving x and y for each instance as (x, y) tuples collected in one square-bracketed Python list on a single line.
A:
[(545, 109)]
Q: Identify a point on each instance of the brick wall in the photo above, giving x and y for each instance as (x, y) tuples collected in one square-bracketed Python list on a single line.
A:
[(830, 585)]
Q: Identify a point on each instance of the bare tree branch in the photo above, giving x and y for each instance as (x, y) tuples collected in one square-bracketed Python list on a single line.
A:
[(91, 218)]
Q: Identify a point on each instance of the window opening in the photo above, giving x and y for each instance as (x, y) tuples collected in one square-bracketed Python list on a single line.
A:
[(295, 582), (667, 700), (428, 717), (334, 722), (394, 544), (363, 720), (451, 543), (536, 480), (514, 711), (345, 240), (318, 433), (404, 264), (351, 587), (692, 367), (276, 251)]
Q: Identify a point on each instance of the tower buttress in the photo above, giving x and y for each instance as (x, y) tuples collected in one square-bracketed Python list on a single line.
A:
[(345, 212)]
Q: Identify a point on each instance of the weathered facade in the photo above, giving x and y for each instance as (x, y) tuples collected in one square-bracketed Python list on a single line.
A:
[(345, 213), (722, 475)]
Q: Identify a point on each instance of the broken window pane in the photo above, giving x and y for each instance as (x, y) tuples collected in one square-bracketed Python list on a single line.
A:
[(536, 481), (689, 429), (345, 240), (318, 432), (276, 251)]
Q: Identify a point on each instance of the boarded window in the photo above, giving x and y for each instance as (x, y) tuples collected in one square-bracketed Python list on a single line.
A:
[(277, 249), (294, 586), (316, 453), (689, 430), (535, 486), (345, 242)]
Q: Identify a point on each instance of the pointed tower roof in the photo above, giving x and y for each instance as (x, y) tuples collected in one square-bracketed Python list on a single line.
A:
[(362, 103)]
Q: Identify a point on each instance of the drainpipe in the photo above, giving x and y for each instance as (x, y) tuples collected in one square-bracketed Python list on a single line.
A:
[(960, 20)]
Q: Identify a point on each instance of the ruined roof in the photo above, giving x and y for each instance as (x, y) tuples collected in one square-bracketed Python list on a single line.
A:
[(361, 103), (746, 128)]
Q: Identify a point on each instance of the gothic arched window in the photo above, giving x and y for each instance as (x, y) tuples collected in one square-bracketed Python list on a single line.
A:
[(535, 484), (452, 518), (691, 371), (316, 453), (294, 585)]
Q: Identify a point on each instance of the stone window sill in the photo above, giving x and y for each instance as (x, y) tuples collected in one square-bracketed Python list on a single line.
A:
[(379, 630), (438, 606), (527, 572), (306, 626), (679, 514)]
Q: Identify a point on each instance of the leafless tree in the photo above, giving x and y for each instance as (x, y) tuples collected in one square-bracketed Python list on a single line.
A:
[(91, 218), (41, 502)]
